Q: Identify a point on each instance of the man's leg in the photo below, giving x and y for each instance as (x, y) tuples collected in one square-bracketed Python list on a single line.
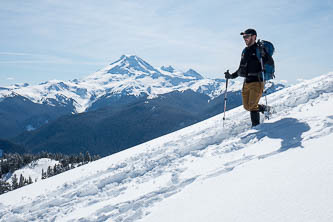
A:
[(246, 96), (256, 90), (255, 118), (255, 93)]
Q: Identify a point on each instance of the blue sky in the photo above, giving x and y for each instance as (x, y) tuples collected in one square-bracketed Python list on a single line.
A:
[(59, 39)]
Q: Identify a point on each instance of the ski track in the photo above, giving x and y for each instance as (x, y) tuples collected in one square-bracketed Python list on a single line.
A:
[(130, 185)]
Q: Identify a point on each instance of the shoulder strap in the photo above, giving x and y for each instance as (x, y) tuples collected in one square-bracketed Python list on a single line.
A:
[(258, 53)]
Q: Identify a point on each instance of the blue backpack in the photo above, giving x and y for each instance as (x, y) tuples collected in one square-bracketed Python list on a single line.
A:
[(266, 47)]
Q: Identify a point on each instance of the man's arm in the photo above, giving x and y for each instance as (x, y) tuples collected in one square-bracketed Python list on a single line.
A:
[(231, 76)]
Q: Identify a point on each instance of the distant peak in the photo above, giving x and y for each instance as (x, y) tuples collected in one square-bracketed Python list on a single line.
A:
[(129, 64), (193, 73), (127, 56)]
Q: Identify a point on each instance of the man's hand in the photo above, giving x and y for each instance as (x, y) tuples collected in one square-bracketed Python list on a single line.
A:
[(228, 75)]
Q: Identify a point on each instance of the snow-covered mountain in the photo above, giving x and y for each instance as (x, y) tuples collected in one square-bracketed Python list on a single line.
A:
[(128, 76), (126, 81), (280, 170)]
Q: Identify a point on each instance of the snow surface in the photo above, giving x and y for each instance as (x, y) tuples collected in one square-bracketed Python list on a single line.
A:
[(280, 170), (293, 186)]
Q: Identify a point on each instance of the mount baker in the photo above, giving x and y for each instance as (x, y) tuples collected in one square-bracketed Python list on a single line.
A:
[(121, 105)]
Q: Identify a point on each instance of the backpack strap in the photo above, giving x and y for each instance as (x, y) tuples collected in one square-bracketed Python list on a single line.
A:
[(260, 52)]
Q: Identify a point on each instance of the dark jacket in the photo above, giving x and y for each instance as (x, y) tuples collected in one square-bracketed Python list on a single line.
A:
[(250, 66)]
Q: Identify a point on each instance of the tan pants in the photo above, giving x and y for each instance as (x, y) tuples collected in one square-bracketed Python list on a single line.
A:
[(251, 95)]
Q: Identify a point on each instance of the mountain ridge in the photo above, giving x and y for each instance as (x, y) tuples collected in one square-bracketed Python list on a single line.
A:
[(129, 75)]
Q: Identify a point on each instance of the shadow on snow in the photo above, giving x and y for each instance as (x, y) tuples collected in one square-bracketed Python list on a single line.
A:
[(289, 130)]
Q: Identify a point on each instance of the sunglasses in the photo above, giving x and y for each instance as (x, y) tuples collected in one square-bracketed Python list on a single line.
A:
[(246, 36)]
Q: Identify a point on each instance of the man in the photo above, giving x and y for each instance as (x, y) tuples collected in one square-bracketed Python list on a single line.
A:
[(250, 68)]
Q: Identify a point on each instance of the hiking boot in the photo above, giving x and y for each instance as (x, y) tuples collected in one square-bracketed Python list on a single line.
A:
[(263, 108), (255, 118)]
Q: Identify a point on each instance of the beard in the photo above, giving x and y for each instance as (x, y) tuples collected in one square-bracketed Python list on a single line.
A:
[(250, 41)]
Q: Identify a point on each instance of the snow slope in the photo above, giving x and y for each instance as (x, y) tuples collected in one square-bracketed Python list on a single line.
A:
[(34, 169), (291, 186), (278, 171)]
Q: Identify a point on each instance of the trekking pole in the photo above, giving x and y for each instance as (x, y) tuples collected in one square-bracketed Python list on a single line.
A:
[(225, 99), (262, 72)]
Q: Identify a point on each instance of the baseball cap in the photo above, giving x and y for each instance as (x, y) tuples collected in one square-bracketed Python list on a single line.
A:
[(249, 32)]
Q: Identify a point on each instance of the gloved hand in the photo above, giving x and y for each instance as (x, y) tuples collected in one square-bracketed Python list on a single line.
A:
[(228, 75)]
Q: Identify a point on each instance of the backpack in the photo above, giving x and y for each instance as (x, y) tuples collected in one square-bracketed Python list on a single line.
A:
[(266, 47)]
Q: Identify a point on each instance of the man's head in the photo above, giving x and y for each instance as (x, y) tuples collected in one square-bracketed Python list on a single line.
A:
[(249, 36)]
